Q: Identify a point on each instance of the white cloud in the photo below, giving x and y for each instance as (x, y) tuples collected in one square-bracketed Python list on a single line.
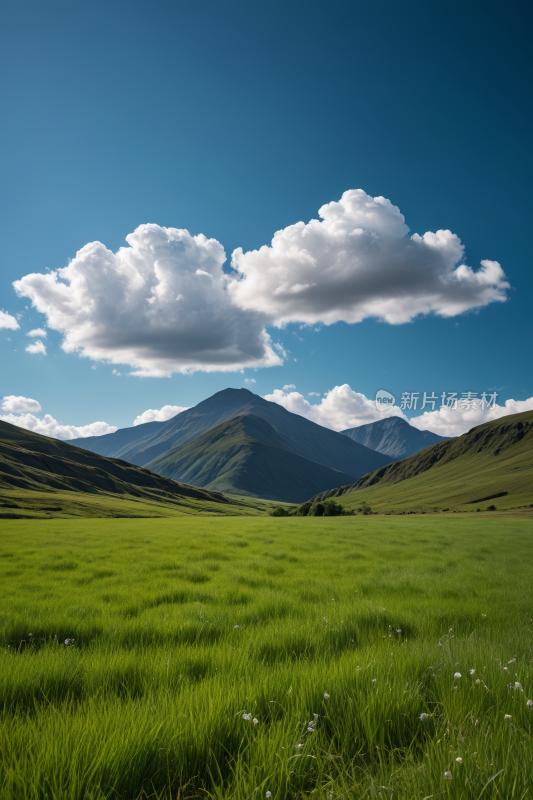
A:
[(360, 262), (343, 408), (159, 414), (93, 366), (313, 394), (250, 380), (455, 421), (48, 426), (339, 409), (7, 321), (288, 387), (37, 332), (123, 308), (36, 347), (19, 405), (115, 372)]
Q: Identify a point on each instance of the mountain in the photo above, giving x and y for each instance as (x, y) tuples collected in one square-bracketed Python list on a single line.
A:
[(29, 461), (245, 455), (493, 460), (144, 443), (393, 437)]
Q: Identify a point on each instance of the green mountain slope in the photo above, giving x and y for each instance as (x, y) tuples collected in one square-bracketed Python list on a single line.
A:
[(35, 463), (143, 444), (492, 462), (246, 456)]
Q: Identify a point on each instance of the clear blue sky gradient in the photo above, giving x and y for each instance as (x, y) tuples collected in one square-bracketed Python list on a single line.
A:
[(235, 119)]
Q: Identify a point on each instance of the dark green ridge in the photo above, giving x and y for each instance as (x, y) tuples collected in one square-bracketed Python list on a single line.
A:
[(246, 456), (38, 463)]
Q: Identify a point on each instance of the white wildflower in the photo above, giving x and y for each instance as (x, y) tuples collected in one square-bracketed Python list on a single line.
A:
[(311, 730), (424, 716), (459, 760), (255, 721), (298, 746), (508, 716), (326, 696), (518, 686), (478, 680), (247, 716), (457, 675), (448, 775), (529, 703), (472, 671), (269, 794), (236, 626)]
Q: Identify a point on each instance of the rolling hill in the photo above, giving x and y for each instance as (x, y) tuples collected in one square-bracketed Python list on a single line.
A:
[(394, 437), (35, 464), (492, 462), (245, 455)]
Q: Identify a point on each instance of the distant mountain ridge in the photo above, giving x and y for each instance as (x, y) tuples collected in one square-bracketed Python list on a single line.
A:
[(394, 437), (149, 443), (246, 456)]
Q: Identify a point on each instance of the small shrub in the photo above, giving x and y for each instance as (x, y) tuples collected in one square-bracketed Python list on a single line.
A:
[(303, 510), (491, 508), (316, 510), (279, 511)]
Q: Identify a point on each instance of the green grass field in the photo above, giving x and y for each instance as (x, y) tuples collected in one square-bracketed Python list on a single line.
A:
[(335, 634)]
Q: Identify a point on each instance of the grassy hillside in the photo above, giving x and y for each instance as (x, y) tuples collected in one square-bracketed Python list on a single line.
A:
[(246, 456), (45, 475), (492, 464), (369, 652)]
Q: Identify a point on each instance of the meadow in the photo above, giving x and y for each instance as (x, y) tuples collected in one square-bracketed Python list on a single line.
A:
[(255, 657)]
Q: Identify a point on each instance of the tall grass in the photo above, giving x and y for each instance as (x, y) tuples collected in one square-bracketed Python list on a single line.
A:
[(181, 627)]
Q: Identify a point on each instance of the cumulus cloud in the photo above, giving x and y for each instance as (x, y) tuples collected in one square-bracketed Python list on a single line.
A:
[(343, 408), (160, 305), (36, 347), (313, 394), (19, 405), (48, 426), (455, 421), (359, 261), (7, 321), (159, 414), (250, 381), (37, 332), (339, 409)]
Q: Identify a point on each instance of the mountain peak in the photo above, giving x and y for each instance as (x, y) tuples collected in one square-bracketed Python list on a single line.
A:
[(393, 436)]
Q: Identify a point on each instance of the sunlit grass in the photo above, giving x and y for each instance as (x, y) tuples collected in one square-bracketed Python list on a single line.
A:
[(183, 626)]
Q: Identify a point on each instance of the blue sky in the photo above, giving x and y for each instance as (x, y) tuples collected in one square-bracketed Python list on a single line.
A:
[(236, 120)]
